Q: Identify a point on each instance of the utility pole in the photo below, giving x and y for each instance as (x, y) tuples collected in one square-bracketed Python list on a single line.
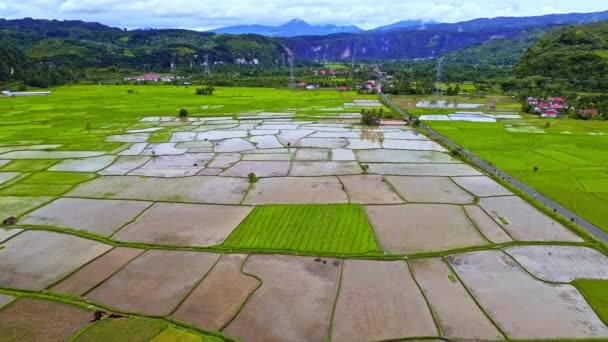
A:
[(207, 73), (292, 73), (439, 76)]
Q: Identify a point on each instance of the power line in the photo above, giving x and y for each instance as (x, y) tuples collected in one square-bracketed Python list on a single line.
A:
[(292, 73), (438, 76), (207, 73)]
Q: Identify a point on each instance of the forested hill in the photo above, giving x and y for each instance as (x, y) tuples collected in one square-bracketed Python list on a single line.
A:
[(43, 52), (576, 56)]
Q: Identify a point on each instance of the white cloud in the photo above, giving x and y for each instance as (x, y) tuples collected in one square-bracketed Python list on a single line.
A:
[(207, 14)]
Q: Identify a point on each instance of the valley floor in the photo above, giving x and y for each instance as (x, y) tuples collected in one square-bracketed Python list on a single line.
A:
[(271, 222)]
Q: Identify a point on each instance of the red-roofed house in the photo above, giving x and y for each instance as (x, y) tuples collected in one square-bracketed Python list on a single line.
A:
[(532, 101), (557, 106), (557, 100), (549, 113)]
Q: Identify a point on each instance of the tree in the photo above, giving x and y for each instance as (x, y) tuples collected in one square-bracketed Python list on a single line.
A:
[(206, 90)]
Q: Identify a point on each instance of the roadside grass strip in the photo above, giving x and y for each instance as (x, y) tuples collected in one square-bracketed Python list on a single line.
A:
[(595, 292), (334, 228)]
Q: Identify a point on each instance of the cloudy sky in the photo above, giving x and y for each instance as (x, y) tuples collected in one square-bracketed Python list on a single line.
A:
[(208, 14)]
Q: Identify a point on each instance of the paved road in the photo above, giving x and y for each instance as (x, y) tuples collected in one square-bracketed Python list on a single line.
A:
[(591, 228)]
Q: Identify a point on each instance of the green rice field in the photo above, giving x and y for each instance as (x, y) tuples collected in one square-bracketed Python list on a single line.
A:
[(566, 160), (336, 228), (594, 290)]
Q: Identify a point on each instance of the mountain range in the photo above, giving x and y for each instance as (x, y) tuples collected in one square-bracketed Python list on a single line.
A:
[(63, 50), (295, 27), (298, 27)]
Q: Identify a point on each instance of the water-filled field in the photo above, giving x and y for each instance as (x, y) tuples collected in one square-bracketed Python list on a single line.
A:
[(276, 218)]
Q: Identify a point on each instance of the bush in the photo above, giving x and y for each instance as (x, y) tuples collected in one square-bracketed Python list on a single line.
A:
[(206, 90), (183, 112), (371, 117), (252, 178)]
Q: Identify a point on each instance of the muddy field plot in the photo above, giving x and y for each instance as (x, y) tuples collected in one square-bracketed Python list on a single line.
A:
[(416, 228), (526, 308), (219, 296), (86, 214), (561, 263), (155, 282), (259, 168), (482, 186), (428, 169), (296, 295), (429, 190), (302, 190), (523, 222), (6, 234), (184, 224), (212, 190), (97, 271), (326, 228), (487, 226), (30, 320), (329, 168), (34, 260), (369, 189), (379, 301), (455, 311)]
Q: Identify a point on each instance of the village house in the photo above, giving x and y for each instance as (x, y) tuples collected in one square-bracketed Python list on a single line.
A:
[(151, 77), (549, 113), (549, 108)]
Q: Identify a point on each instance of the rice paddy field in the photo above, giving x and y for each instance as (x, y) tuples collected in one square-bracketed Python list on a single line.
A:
[(563, 159), (338, 228), (272, 215)]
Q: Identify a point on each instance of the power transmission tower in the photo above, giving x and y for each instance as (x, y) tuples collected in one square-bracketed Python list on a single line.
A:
[(292, 74), (439, 76), (207, 73)]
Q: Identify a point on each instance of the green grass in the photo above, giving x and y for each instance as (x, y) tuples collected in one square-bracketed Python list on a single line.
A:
[(571, 158), (315, 228), (596, 293), (122, 329), (160, 136), (175, 335), (58, 177), (25, 165), (172, 334), (33, 189)]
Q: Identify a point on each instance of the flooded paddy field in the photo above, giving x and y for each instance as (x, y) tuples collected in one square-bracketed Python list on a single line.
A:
[(275, 224)]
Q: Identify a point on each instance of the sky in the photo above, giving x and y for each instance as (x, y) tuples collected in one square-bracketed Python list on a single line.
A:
[(207, 14)]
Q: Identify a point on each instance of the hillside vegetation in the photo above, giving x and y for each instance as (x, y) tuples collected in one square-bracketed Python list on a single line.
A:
[(574, 57)]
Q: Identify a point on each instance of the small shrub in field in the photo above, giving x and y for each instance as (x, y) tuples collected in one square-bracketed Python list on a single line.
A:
[(183, 112), (206, 90), (416, 122), (252, 177), (371, 117)]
